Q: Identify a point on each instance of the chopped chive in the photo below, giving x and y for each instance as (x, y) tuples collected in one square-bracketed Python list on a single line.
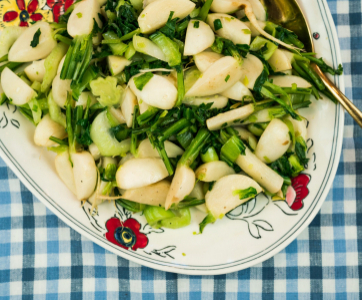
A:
[(227, 78), (217, 24), (35, 40), (196, 24)]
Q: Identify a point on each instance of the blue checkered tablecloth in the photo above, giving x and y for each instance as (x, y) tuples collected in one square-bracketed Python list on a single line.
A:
[(42, 258)]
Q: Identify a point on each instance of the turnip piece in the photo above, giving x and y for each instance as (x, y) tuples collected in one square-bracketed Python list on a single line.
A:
[(300, 127), (205, 59), (154, 194), (116, 64), (83, 99), (105, 141), (143, 106), (157, 92), (225, 6), (81, 19), (289, 80), (53, 65), (85, 174), (128, 104), (252, 68), (65, 170), (232, 28), (190, 77), (279, 61), (274, 142), (145, 46), (94, 151), (260, 172), (116, 113), (213, 171), (15, 88), (145, 149), (125, 158), (140, 172), (198, 193), (36, 70), (230, 117), (224, 197), (95, 199), (217, 100), (60, 90), (7, 38), (214, 80), (258, 9), (47, 128), (55, 112), (156, 13), (182, 184), (247, 136), (253, 30), (198, 39), (238, 92), (22, 51)]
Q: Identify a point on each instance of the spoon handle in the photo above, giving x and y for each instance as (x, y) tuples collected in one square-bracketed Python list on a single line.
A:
[(347, 104)]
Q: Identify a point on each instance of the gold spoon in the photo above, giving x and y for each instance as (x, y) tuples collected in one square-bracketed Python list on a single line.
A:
[(288, 14)]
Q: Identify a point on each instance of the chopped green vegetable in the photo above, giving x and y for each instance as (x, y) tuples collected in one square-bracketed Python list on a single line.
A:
[(107, 90), (141, 81), (217, 24), (36, 37), (245, 194)]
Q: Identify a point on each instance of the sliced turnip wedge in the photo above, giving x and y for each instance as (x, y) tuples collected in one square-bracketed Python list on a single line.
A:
[(217, 100), (116, 115), (199, 36), (105, 141), (145, 149), (232, 28), (81, 19), (15, 88), (47, 128), (7, 38), (140, 172), (184, 179), (65, 170), (220, 76), (154, 194), (253, 30), (258, 10), (213, 171), (128, 104), (252, 68), (156, 14), (94, 151), (205, 59), (83, 99), (198, 193), (247, 136), (279, 61), (260, 172), (60, 90), (116, 64), (36, 70), (227, 193), (145, 46), (238, 92), (300, 127), (289, 80), (157, 92), (225, 6), (85, 174), (274, 142), (230, 117), (22, 51)]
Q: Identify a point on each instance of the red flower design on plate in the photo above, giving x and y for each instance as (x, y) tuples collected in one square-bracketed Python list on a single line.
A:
[(297, 192), (126, 234), (59, 7), (26, 13)]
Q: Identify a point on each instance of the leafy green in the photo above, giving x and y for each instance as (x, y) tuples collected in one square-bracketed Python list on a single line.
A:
[(126, 18), (169, 29), (250, 192), (168, 47), (142, 80), (196, 24), (209, 219), (231, 150), (300, 150), (217, 24), (36, 37)]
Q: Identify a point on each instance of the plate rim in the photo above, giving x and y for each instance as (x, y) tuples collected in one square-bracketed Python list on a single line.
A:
[(236, 265)]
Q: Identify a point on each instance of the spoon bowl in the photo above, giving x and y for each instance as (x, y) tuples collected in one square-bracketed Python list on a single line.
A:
[(288, 14)]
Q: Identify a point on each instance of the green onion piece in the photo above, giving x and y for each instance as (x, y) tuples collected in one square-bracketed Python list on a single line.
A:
[(130, 35), (130, 205), (58, 141), (210, 155), (147, 115), (187, 202), (231, 150), (250, 192), (196, 24), (35, 40), (209, 219), (142, 80), (184, 137), (313, 75), (174, 129), (217, 24), (204, 11), (180, 85), (133, 135)]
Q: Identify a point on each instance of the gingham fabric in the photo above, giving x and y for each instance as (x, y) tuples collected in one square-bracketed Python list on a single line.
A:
[(42, 258)]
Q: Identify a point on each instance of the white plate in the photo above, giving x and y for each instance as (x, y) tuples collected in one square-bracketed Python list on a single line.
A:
[(248, 235)]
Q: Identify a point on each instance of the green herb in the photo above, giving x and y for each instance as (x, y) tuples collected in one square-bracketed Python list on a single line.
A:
[(217, 24), (227, 78), (35, 40), (141, 81), (79, 15), (196, 24), (246, 31), (209, 219), (246, 194)]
